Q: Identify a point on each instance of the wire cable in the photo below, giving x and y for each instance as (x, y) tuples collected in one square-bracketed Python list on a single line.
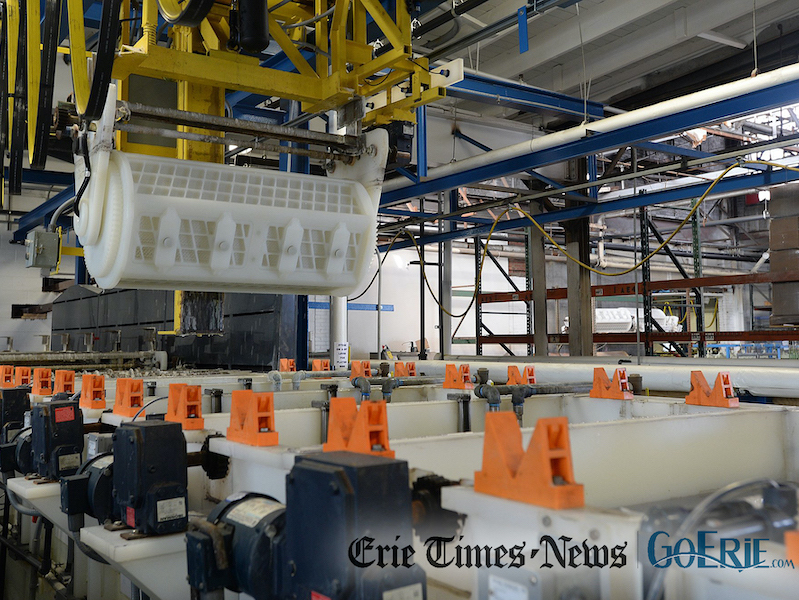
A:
[(374, 278), (150, 403), (692, 520), (715, 315), (645, 259)]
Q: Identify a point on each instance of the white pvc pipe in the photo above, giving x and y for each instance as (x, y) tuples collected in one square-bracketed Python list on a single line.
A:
[(635, 117), (338, 329), (766, 380)]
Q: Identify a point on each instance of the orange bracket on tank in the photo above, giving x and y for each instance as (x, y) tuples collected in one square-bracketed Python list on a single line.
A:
[(722, 395), (287, 365), (42, 382), (792, 546), (129, 397), (64, 382), (402, 369), (6, 376), (185, 406), (360, 368), (543, 475), (92, 392), (616, 389), (517, 378), (364, 431), (457, 378), (252, 418), (320, 364), (22, 376)]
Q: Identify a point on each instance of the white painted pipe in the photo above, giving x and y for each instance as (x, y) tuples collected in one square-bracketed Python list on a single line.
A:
[(635, 117), (766, 380), (338, 330)]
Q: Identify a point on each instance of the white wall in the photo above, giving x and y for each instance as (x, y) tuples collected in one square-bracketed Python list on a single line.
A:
[(402, 324), (20, 286)]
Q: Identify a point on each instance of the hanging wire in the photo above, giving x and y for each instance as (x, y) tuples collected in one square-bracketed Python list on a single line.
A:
[(754, 35), (585, 86), (565, 253)]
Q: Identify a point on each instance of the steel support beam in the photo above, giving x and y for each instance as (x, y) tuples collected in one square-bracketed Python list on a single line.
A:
[(766, 335), (579, 288), (537, 282), (522, 97), (728, 185), (745, 104), (673, 150), (540, 177), (42, 214), (629, 289)]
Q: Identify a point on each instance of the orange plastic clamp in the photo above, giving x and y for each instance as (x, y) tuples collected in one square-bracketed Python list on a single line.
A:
[(92, 391), (252, 418), (360, 368), (617, 389), (129, 397), (287, 365), (792, 546), (722, 395), (64, 382), (364, 431), (22, 376), (402, 369), (543, 475), (185, 406), (517, 378), (6, 376), (457, 378), (42, 382), (320, 364)]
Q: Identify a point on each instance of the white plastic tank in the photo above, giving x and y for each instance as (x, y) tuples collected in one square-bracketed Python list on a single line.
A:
[(174, 224)]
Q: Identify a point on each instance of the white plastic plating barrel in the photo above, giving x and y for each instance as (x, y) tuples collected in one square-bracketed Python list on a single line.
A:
[(176, 224)]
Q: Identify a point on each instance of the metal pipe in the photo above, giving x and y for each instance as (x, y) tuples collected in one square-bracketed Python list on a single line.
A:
[(388, 387), (47, 358), (635, 117), (408, 381), (226, 140), (296, 378), (532, 8), (379, 300), (464, 400), (362, 384), (243, 126), (659, 374)]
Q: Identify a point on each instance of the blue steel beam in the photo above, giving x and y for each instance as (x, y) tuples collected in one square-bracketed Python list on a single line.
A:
[(756, 101), (421, 141), (42, 214), (394, 212), (729, 185), (258, 115), (44, 177), (522, 97), (462, 136), (543, 178), (673, 150)]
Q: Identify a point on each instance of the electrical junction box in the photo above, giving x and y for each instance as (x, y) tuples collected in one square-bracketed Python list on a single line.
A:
[(150, 476), (57, 438), (98, 443), (41, 249)]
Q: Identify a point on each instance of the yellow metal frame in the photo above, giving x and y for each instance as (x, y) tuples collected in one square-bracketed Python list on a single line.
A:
[(178, 307), (346, 66)]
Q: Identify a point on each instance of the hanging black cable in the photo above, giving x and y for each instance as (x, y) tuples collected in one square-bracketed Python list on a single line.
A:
[(20, 121), (44, 112)]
